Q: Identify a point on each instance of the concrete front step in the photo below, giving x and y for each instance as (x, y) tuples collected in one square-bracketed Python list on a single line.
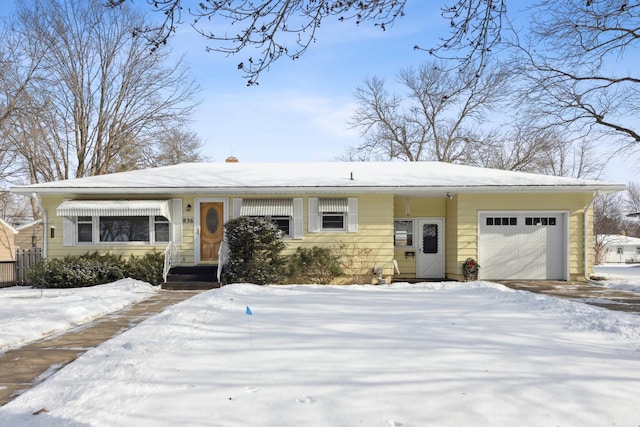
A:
[(189, 285), (197, 277)]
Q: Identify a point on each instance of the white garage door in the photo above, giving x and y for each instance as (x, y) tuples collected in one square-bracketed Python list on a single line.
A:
[(522, 245)]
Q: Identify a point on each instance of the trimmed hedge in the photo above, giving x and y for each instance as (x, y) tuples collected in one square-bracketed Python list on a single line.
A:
[(93, 269)]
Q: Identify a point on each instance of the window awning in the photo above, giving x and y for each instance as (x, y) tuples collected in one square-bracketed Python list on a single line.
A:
[(267, 207), (333, 205), (114, 208)]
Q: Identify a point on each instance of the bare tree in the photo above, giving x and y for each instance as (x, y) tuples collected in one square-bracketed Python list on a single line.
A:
[(519, 148), (97, 98), (476, 30), (14, 208), (278, 28), (174, 146), (437, 119), (633, 197), (567, 60), (274, 28), (608, 219)]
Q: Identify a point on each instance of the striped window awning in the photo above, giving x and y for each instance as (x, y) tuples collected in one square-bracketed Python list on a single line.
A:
[(333, 205), (267, 207), (114, 208)]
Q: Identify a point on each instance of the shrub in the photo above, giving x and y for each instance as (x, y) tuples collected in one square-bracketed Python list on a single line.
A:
[(95, 269), (76, 272), (147, 268), (315, 265), (356, 262), (254, 251)]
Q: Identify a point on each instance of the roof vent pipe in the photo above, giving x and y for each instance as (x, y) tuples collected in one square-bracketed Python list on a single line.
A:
[(351, 176)]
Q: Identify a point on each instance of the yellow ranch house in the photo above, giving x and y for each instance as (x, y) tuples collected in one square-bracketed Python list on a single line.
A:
[(418, 220)]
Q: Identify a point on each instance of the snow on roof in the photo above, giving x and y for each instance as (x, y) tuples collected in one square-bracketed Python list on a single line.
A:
[(397, 177), (619, 239)]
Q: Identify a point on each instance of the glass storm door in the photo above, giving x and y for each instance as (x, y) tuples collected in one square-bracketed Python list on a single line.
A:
[(430, 248), (211, 231)]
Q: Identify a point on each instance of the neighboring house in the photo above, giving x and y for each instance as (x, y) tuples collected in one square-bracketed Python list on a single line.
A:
[(420, 220), (7, 241), (30, 235), (621, 249)]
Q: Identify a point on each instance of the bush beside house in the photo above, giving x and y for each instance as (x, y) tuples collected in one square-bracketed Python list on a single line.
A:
[(95, 269), (255, 251)]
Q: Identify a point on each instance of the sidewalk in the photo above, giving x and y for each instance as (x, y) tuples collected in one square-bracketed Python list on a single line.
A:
[(25, 367)]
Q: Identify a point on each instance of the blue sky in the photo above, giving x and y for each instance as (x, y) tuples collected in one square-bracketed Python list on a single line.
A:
[(300, 110)]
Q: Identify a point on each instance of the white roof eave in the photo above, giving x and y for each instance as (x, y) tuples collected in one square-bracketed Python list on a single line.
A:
[(398, 190)]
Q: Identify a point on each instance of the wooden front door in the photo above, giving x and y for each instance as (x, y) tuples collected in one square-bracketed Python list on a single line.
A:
[(211, 231)]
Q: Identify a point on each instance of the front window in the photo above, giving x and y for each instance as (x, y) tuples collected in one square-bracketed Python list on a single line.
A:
[(403, 232), (85, 229), (122, 229), (283, 223), (333, 221), (161, 229)]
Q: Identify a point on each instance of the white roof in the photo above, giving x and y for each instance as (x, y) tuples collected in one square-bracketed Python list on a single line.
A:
[(331, 177), (619, 239)]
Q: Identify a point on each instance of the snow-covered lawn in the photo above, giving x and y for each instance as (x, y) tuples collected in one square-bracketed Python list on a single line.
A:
[(625, 277), (437, 354), (28, 314)]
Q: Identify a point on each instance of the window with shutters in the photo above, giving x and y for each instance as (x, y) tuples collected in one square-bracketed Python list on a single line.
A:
[(333, 214)]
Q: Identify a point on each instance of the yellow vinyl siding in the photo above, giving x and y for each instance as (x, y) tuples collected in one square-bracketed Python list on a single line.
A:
[(376, 213), (467, 226), (375, 229), (7, 245)]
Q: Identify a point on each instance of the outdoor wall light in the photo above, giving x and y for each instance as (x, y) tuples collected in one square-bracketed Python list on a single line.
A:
[(52, 231), (189, 208)]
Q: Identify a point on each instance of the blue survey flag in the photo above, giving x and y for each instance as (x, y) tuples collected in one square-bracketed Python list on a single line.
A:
[(248, 311)]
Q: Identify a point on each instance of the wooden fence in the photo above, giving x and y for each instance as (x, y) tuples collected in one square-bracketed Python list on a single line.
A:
[(15, 272)]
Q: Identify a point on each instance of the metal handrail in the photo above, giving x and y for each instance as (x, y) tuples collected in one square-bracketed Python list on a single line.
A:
[(170, 258)]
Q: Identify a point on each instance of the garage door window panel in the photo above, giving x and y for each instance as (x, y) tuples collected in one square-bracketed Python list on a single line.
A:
[(498, 221)]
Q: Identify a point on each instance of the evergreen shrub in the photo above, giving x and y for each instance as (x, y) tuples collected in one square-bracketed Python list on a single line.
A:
[(255, 251), (93, 269)]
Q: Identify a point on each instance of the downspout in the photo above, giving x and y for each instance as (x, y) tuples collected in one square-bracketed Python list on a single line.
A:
[(44, 224), (586, 237)]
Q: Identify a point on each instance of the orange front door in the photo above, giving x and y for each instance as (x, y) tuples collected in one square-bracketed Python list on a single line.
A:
[(211, 231)]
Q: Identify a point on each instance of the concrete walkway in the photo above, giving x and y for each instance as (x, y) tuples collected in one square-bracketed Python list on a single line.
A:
[(587, 292), (25, 367)]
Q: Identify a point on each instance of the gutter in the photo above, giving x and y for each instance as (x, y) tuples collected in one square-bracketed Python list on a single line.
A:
[(586, 236)]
